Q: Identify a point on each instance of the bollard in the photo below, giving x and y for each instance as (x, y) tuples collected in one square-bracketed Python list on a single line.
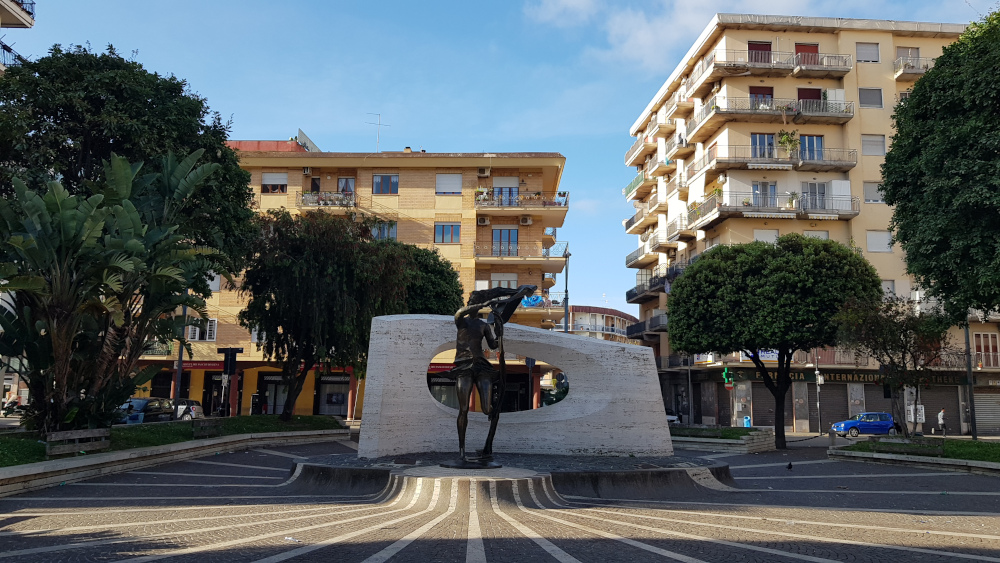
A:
[(833, 438)]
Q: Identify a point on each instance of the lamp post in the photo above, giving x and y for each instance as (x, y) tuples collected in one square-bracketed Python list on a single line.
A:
[(819, 413), (970, 383), (566, 296)]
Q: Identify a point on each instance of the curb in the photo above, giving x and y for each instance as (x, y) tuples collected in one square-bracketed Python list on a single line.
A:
[(978, 467), (33, 476)]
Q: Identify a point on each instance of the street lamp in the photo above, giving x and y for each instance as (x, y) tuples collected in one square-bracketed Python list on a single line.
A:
[(819, 413), (566, 296)]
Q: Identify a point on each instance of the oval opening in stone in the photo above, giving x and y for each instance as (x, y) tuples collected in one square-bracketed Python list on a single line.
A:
[(546, 385)]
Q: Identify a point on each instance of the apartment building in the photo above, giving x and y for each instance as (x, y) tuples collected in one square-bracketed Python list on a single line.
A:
[(493, 216), (771, 125), (14, 14), (599, 322)]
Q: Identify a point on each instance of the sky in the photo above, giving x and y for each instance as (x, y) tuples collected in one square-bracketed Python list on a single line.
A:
[(567, 76)]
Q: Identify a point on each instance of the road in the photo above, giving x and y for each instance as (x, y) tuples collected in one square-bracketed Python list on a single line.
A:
[(234, 507)]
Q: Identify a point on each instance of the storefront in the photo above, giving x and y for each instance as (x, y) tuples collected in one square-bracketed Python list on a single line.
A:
[(332, 392)]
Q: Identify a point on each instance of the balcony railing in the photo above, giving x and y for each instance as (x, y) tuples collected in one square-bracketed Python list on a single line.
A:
[(543, 299), (698, 210), (756, 201), (325, 199), (28, 6), (637, 147), (828, 60), (488, 200), (677, 225), (9, 57), (635, 330), (776, 157), (912, 64), (535, 250), (551, 232), (776, 107), (635, 183), (735, 58), (642, 209), (657, 323)]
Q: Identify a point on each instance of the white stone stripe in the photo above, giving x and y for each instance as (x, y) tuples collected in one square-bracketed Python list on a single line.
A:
[(145, 498), (809, 537), (797, 463), (240, 465), (186, 485), (627, 541), (85, 544), (230, 543), (398, 545), (849, 492), (279, 454), (475, 551), (527, 532), (167, 473), (893, 475), (344, 537)]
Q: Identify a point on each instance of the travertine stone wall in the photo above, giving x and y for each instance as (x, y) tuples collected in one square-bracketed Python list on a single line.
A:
[(613, 407)]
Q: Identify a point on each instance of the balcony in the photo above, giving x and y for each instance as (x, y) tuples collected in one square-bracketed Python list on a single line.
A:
[(678, 230), (9, 57), (643, 145), (821, 65), (909, 69), (549, 209), (658, 241), (548, 280), (749, 205), (720, 110), (641, 257), (827, 160), (752, 157), (639, 187), (543, 305), (727, 62), (636, 330), (660, 129), (17, 13), (676, 187), (647, 329), (549, 236), (678, 147), (663, 363), (633, 224), (550, 260), (659, 167), (657, 323), (326, 199), (679, 104)]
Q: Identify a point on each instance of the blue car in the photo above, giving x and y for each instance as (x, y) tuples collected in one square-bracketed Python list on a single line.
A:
[(866, 423)]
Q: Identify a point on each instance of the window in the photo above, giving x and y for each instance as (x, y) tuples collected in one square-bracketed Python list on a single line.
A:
[(274, 183), (908, 55), (503, 280), (821, 235), (449, 184), (873, 145), (879, 241), (759, 52), (765, 194), (872, 194), (345, 185), (214, 281), (385, 184), (807, 53), (203, 334), (811, 147), (867, 52), (761, 97), (870, 97), (504, 242), (384, 231), (987, 349), (762, 145), (889, 288), (904, 95), (813, 195), (765, 235), (314, 185), (447, 233)]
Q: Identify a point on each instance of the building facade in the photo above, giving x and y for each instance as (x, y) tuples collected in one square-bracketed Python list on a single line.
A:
[(493, 216), (599, 322), (772, 125)]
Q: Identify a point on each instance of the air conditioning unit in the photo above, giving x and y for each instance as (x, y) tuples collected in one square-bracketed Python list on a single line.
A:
[(483, 172), (525, 219), (482, 220), (306, 170)]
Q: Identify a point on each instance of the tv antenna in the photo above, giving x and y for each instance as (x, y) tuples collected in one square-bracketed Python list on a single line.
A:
[(378, 129)]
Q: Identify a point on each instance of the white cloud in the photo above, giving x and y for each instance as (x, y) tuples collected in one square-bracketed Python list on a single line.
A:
[(561, 13)]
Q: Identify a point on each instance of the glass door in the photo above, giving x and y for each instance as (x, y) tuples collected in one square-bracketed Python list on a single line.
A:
[(505, 242), (761, 145)]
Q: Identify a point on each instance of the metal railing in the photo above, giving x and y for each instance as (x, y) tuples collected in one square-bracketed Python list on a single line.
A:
[(325, 199), (701, 209), (764, 154), (9, 57), (635, 330), (635, 183), (638, 253), (738, 57), (956, 360), (656, 323), (535, 250), (641, 210), (674, 184), (756, 105), (678, 224), (550, 231), (912, 64), (28, 6), (668, 147), (829, 60), (828, 156), (654, 163), (488, 200), (543, 299), (636, 291), (583, 327), (550, 276), (756, 201), (636, 147)]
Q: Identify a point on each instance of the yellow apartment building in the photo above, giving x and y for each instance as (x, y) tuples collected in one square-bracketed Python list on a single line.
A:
[(599, 322), (494, 216), (715, 168)]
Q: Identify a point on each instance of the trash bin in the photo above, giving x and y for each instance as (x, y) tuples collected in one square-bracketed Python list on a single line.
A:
[(746, 422)]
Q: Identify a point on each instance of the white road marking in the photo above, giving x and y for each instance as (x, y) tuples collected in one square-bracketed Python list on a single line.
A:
[(527, 532), (859, 492), (349, 443), (240, 465), (189, 485), (627, 541), (146, 498), (783, 464), (202, 475), (398, 545), (719, 456), (280, 454), (475, 551), (785, 477)]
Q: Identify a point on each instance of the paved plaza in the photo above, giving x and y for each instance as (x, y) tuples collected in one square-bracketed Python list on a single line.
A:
[(243, 506)]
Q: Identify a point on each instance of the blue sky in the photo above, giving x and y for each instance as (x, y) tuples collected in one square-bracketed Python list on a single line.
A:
[(450, 76)]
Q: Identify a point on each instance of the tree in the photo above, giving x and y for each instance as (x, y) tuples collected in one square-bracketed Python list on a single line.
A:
[(63, 115), (313, 285), (93, 281), (432, 286), (759, 296), (901, 338), (942, 174)]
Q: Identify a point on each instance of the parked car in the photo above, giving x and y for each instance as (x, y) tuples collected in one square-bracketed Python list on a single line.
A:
[(867, 423), (147, 409), (186, 409)]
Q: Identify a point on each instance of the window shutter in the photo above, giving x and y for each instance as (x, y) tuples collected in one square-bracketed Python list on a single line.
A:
[(506, 181), (254, 336), (872, 195), (274, 178), (873, 145), (870, 97), (878, 241), (210, 330), (868, 52), (214, 281), (192, 332), (449, 183)]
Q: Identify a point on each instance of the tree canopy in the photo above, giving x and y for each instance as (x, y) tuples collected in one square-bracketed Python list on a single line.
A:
[(942, 174), (92, 281), (432, 285), (63, 115), (759, 296)]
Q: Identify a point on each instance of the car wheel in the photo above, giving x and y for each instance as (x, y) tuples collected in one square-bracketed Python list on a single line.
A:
[(892, 431), (853, 432), (187, 416)]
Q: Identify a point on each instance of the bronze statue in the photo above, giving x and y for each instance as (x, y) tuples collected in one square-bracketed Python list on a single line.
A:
[(473, 370)]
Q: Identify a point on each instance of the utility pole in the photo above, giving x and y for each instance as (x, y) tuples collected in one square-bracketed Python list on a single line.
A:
[(378, 129), (971, 383), (566, 297), (180, 357)]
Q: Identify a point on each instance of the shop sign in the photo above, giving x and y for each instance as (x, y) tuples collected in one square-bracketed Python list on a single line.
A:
[(765, 356), (854, 377), (193, 364), (271, 378), (335, 379), (704, 358), (435, 368)]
